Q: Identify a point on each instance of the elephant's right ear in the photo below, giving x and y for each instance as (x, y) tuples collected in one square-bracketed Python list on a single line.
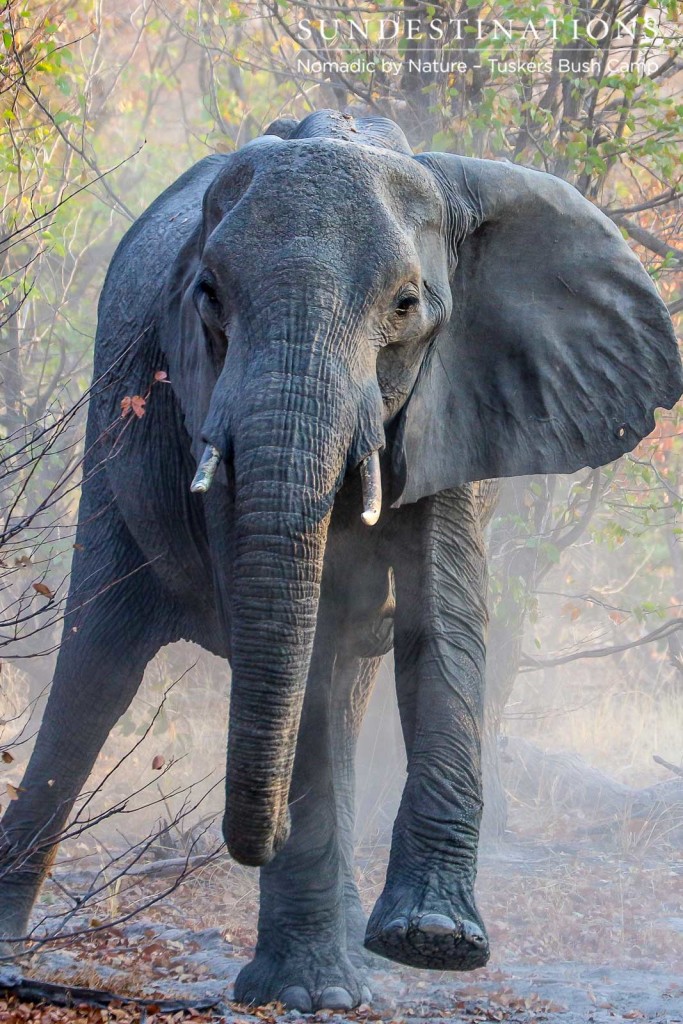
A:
[(559, 348)]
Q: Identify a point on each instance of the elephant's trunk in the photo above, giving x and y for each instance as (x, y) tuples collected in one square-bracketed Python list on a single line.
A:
[(288, 459)]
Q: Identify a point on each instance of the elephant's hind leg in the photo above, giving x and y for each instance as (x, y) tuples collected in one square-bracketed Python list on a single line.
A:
[(116, 620), (353, 683), (309, 903)]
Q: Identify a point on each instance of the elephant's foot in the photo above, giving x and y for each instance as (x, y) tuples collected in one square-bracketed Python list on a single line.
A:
[(309, 979), (427, 926)]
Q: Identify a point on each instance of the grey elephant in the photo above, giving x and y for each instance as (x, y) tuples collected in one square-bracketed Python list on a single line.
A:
[(346, 329)]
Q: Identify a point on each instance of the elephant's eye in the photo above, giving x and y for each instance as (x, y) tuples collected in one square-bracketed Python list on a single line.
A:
[(205, 288), (205, 297), (405, 304)]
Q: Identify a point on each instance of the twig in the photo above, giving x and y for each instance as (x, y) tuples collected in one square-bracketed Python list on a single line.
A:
[(650, 204), (667, 764)]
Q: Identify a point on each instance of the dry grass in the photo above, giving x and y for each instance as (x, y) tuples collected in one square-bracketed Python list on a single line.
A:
[(615, 724)]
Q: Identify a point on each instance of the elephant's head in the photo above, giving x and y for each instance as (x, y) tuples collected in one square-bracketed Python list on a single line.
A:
[(342, 295)]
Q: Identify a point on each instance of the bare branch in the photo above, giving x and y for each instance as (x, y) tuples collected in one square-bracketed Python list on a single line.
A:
[(648, 239), (531, 664)]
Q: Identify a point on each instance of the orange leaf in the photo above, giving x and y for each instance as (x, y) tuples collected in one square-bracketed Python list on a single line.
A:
[(12, 791), (616, 617), (138, 405), (43, 590), (161, 375), (125, 406), (158, 762), (7, 757)]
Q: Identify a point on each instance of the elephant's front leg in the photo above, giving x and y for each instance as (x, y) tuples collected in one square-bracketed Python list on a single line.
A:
[(426, 916), (302, 955)]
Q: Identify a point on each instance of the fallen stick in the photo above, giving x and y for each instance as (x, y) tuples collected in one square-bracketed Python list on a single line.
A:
[(151, 869), (33, 990), (564, 783)]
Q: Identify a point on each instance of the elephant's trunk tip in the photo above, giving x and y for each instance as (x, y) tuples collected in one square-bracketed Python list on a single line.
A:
[(254, 852), (206, 470), (371, 484)]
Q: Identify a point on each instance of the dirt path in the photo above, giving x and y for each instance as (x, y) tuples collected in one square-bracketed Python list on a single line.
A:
[(579, 936), (193, 965)]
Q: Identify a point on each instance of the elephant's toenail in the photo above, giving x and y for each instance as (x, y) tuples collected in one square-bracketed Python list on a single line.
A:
[(398, 927), (366, 994), (296, 998), (335, 998), (436, 924), (472, 934)]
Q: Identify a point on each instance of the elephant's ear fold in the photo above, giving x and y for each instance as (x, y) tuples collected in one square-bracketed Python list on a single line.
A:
[(558, 350)]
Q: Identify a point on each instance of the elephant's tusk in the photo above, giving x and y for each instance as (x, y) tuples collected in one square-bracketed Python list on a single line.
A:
[(208, 464), (371, 482)]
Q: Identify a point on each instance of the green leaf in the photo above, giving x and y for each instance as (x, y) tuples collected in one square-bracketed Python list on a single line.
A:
[(552, 553)]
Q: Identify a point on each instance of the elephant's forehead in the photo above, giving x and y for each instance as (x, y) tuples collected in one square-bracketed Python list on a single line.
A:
[(347, 165), (327, 181)]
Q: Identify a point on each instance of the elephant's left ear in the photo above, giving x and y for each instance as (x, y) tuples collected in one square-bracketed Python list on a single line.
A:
[(558, 350)]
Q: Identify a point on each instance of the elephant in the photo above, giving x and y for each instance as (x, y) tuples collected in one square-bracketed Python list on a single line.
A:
[(337, 339)]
